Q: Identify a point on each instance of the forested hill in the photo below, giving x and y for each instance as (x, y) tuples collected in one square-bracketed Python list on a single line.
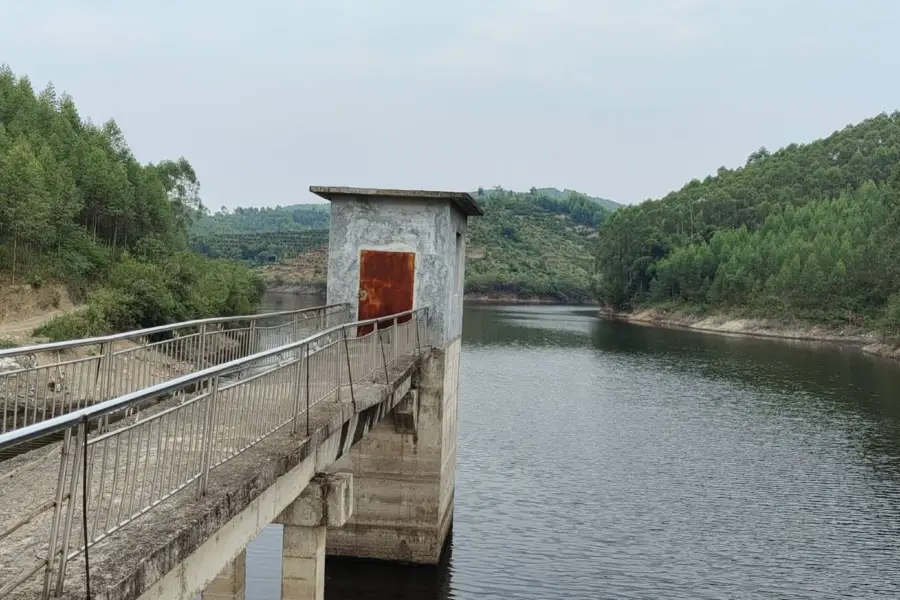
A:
[(539, 243), (77, 208), (299, 217), (808, 232)]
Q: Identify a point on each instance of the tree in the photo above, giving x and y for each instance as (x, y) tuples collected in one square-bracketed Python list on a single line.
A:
[(24, 202), (183, 189)]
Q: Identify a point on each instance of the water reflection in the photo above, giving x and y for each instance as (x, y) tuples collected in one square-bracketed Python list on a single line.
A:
[(528, 326), (277, 301), (817, 379)]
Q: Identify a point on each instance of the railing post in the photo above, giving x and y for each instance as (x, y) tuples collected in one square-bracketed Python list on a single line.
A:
[(306, 393), (207, 440), (57, 511), (373, 336), (340, 367), (201, 348), (252, 345), (80, 438), (104, 371), (417, 322), (394, 339), (298, 390), (105, 359)]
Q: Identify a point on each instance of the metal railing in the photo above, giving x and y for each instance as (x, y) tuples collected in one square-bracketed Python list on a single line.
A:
[(104, 481), (47, 380)]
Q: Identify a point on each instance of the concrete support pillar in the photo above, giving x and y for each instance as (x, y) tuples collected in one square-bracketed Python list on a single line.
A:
[(230, 583), (327, 501), (404, 473), (303, 563)]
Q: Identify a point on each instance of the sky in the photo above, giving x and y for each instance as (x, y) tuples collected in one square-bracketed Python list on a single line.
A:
[(624, 99)]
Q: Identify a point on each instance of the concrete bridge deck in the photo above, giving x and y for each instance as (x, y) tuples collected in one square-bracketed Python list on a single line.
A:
[(249, 436)]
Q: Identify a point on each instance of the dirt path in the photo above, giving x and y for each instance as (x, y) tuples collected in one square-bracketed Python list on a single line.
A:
[(24, 308), (22, 328)]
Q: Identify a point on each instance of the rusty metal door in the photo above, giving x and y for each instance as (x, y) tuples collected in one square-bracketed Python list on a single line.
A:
[(386, 285)]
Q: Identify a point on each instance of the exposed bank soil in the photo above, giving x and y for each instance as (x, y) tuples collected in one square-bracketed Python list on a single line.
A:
[(302, 288), (304, 271), (868, 341), (24, 308)]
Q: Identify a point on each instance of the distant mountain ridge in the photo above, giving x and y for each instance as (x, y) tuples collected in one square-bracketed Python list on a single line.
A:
[(538, 244), (300, 217), (562, 194)]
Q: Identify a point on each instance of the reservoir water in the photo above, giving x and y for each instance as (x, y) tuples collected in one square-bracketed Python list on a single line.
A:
[(606, 460)]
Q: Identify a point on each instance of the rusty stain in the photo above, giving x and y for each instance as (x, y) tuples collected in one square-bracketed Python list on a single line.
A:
[(386, 284)]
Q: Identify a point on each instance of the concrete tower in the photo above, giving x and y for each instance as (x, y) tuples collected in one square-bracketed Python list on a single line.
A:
[(391, 251)]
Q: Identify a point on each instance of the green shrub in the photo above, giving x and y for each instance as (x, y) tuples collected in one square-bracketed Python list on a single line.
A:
[(142, 294), (890, 322), (81, 324)]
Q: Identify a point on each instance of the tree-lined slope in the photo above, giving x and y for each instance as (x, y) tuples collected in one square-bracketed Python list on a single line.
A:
[(534, 244), (76, 207), (809, 232)]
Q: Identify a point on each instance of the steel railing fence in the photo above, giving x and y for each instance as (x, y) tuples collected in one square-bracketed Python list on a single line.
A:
[(212, 416), (43, 381)]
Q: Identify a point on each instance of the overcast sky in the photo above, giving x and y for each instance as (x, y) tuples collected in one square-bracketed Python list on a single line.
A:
[(625, 99)]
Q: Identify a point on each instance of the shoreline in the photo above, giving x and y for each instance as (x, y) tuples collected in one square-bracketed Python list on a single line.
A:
[(319, 288), (300, 289), (513, 299), (867, 341)]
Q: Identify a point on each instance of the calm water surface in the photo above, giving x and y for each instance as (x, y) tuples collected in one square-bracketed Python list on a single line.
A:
[(604, 460)]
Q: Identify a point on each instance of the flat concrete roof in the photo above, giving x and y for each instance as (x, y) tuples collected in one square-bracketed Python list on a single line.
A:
[(462, 200)]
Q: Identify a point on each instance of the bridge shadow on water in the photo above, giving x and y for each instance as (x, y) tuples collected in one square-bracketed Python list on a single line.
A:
[(372, 580), (348, 579)]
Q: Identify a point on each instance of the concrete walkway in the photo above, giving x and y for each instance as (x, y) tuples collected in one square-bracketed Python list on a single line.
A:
[(129, 562)]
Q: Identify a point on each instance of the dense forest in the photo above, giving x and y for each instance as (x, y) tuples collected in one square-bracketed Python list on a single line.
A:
[(300, 217), (535, 243), (261, 235), (810, 232), (77, 207)]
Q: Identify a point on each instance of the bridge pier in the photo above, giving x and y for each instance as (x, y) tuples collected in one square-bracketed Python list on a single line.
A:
[(327, 501), (404, 473), (231, 583)]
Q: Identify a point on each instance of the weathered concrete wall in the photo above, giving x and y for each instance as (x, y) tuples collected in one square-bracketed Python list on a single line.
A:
[(230, 583), (449, 430), (458, 271), (427, 228), (404, 482)]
